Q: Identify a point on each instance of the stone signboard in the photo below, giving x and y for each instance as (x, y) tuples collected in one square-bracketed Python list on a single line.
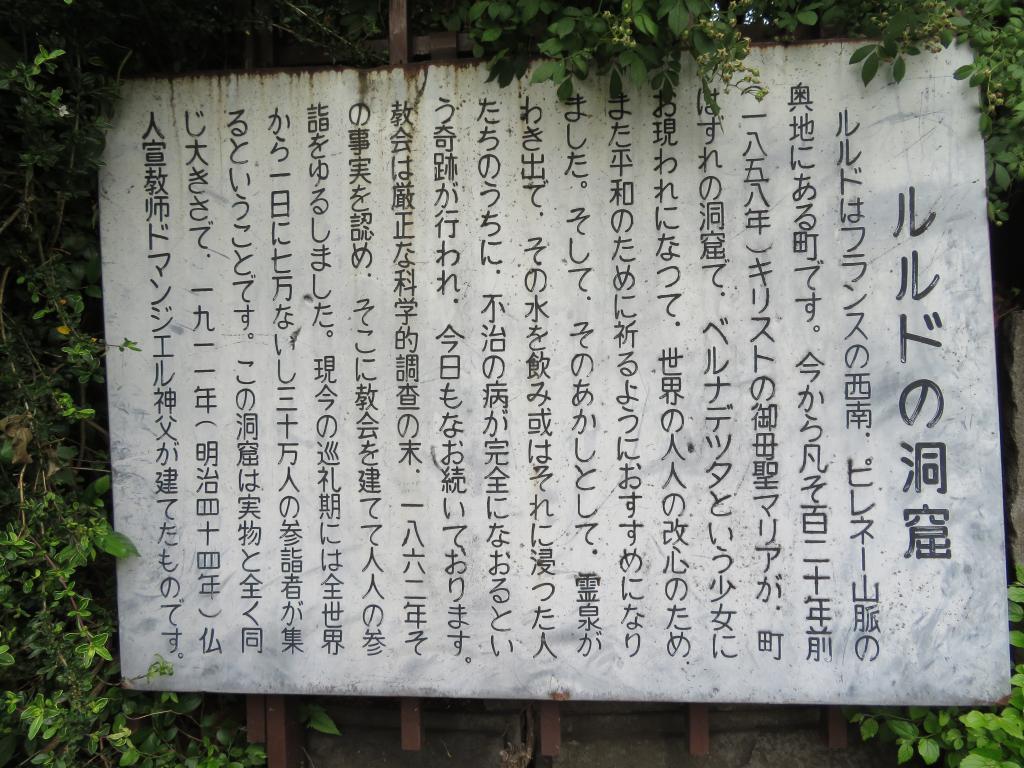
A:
[(441, 389)]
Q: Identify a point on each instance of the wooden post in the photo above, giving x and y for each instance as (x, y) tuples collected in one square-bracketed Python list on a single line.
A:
[(836, 731), (550, 729), (700, 730), (284, 733), (256, 718), (411, 725), (398, 32)]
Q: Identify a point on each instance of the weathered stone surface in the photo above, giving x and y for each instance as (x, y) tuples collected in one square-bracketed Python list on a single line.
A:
[(686, 341)]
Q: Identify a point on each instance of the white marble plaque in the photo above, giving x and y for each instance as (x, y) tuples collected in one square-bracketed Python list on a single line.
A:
[(444, 389)]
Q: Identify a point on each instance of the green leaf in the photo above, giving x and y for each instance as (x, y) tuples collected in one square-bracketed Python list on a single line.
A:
[(905, 752), (102, 485), (99, 646), (118, 545), (1002, 179), (1016, 636), (490, 34), (638, 72), (960, 21), (975, 760), (677, 19), (1012, 728), (861, 53), (701, 43), (973, 719), (646, 24), (188, 702), (929, 750), (899, 69), (37, 724), (962, 73), (565, 89), (548, 70), (44, 55), (580, 64), (809, 18), (476, 10), (320, 721), (498, 10), (1016, 613), (867, 72), (563, 27), (903, 729), (551, 47), (868, 728)]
